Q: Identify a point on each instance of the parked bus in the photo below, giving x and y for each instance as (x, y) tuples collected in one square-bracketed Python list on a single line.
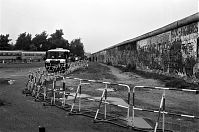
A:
[(57, 60), (12, 56), (30, 56)]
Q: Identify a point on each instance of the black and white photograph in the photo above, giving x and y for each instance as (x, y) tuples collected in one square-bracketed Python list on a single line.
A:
[(99, 66)]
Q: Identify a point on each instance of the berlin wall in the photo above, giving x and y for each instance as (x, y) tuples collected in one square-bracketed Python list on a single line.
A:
[(171, 49)]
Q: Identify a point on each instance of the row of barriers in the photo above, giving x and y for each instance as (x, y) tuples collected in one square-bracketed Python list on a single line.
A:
[(103, 101), (72, 66)]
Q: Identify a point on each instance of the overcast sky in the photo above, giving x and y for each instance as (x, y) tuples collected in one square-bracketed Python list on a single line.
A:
[(100, 23)]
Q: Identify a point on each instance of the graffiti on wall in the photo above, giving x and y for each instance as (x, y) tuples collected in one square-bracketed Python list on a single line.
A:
[(173, 51), (122, 55), (153, 51), (186, 37)]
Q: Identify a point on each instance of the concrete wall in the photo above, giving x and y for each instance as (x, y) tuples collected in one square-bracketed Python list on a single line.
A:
[(172, 49)]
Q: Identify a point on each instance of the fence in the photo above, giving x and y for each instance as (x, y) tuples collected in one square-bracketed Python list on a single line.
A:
[(162, 105), (72, 66), (106, 101)]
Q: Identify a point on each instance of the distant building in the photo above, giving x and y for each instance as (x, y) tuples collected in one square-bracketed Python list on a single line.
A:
[(87, 55)]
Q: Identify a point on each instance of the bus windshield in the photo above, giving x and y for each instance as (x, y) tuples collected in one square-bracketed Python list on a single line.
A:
[(56, 55)]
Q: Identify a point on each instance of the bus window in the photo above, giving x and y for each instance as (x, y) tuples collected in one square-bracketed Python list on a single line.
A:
[(61, 55)]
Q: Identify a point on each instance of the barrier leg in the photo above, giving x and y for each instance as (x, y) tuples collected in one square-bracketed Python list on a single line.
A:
[(159, 113), (45, 90), (44, 93), (133, 111), (105, 102), (53, 90), (99, 105), (163, 114), (75, 98), (79, 97), (37, 92), (64, 99), (64, 94)]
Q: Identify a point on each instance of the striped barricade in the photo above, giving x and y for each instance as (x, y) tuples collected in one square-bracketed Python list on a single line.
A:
[(107, 99), (62, 93), (44, 84), (80, 96), (161, 107)]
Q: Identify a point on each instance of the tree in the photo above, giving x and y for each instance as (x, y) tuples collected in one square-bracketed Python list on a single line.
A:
[(77, 47), (4, 42), (57, 41), (24, 42), (40, 41), (58, 34)]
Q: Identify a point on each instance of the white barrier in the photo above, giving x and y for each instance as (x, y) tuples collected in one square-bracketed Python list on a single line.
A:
[(37, 86), (162, 105)]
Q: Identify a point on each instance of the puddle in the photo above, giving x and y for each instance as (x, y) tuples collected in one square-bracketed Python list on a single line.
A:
[(6, 81)]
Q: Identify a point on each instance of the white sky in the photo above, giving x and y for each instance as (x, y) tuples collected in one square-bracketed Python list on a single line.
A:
[(100, 23)]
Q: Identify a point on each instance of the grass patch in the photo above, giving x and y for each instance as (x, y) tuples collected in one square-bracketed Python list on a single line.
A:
[(95, 71), (180, 83), (169, 81)]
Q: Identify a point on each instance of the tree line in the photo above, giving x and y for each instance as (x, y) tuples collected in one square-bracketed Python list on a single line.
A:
[(42, 42)]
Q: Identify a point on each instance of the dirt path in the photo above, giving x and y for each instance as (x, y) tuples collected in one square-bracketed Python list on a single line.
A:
[(132, 78)]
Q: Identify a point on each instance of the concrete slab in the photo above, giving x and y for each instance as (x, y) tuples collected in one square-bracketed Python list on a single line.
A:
[(72, 96), (138, 122), (114, 100)]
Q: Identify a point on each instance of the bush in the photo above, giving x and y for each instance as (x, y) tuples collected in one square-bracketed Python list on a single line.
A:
[(2, 102), (197, 75), (130, 67), (109, 63)]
